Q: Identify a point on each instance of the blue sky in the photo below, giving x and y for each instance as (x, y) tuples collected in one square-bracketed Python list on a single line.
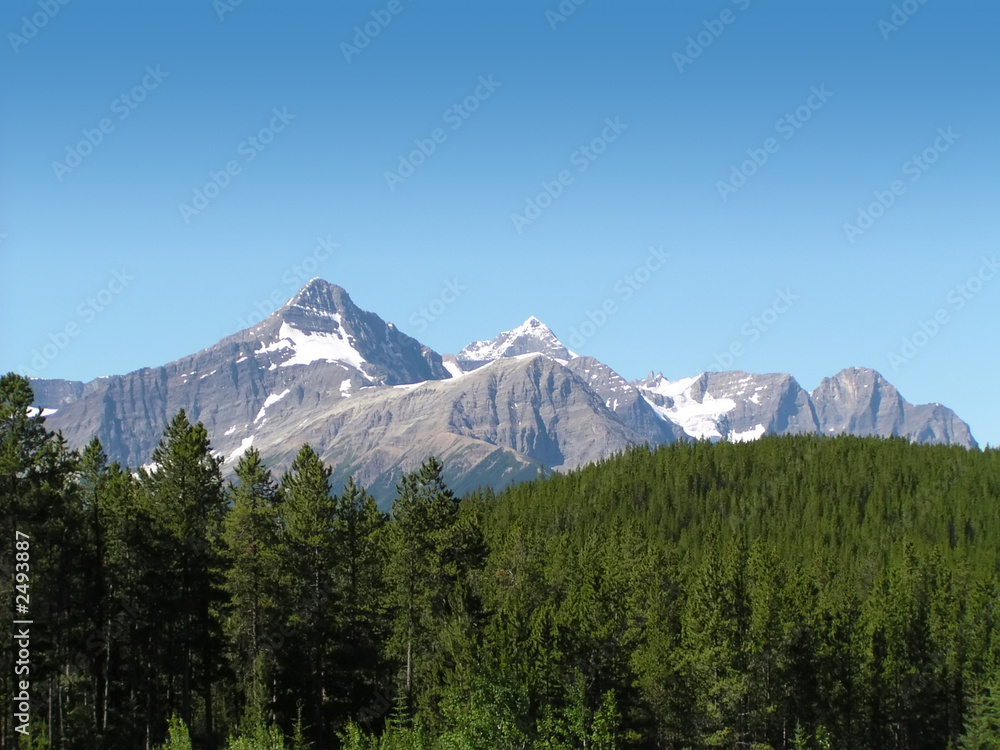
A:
[(745, 135)]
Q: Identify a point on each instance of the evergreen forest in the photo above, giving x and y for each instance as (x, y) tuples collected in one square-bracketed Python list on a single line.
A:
[(793, 592)]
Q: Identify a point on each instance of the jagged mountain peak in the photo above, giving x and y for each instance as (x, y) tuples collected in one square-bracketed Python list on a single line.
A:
[(315, 304), (322, 370), (320, 294), (531, 337), (860, 401), (860, 374), (865, 382), (322, 324)]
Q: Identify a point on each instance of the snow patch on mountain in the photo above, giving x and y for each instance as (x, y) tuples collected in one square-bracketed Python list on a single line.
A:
[(316, 346), (698, 419), (34, 412), (453, 368), (275, 398), (748, 436), (269, 401), (671, 388), (243, 447)]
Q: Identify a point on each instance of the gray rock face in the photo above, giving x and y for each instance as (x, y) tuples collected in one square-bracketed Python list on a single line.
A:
[(743, 406), (626, 401), (375, 402), (55, 394), (775, 401), (860, 401), (512, 419)]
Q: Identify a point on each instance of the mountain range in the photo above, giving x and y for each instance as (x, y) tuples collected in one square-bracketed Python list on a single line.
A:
[(375, 402)]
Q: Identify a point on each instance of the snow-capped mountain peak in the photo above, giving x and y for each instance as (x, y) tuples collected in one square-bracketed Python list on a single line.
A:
[(321, 324), (322, 370), (531, 337)]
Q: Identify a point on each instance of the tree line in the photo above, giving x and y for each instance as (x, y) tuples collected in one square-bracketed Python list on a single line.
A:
[(795, 592)]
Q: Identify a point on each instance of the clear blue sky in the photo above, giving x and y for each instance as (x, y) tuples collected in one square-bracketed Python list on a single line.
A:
[(683, 124)]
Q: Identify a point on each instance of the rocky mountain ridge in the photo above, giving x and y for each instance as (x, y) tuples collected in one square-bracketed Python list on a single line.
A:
[(375, 402)]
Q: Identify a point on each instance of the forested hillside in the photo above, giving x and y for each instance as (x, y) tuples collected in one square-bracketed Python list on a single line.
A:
[(794, 592)]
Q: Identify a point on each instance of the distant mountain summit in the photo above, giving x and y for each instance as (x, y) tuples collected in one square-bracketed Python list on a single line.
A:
[(859, 401), (322, 324), (733, 406), (531, 337), (743, 406), (375, 402)]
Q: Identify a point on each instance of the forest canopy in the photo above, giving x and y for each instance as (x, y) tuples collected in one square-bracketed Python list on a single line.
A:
[(793, 592)]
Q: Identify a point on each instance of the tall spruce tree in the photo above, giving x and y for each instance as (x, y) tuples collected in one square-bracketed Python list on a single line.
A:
[(359, 577), (982, 725), (252, 536), (42, 521), (420, 575), (185, 494), (310, 556)]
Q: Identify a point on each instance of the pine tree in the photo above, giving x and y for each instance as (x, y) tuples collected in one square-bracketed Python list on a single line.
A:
[(251, 534), (132, 643), (39, 499), (178, 737), (186, 498), (715, 629), (310, 556), (92, 480), (982, 724), (421, 546), (359, 576)]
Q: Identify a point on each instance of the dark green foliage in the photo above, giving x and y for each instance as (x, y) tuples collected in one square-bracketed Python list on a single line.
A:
[(185, 496), (425, 586), (309, 555), (252, 533), (790, 593), (982, 729)]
